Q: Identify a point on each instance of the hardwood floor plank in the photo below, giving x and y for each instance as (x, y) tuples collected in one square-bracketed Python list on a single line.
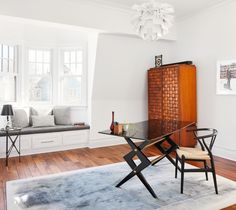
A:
[(56, 162)]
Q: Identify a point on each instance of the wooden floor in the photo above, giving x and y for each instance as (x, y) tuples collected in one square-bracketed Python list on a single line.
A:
[(50, 163)]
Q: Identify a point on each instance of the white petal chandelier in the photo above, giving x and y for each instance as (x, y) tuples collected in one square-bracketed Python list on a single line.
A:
[(153, 19)]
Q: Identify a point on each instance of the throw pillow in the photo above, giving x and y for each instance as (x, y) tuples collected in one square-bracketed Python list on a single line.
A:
[(62, 115), (42, 121), (20, 118), (38, 111)]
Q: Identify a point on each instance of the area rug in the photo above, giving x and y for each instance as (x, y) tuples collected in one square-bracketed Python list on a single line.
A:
[(94, 189)]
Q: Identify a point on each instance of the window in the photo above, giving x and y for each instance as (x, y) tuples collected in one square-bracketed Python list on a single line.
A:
[(52, 75), (40, 75), (72, 76), (8, 73)]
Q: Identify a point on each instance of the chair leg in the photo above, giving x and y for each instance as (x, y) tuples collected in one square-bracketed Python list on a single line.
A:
[(182, 174), (176, 166), (214, 175), (205, 166)]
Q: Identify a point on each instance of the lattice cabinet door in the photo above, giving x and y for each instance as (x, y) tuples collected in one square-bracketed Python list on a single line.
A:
[(170, 93), (172, 96), (155, 94)]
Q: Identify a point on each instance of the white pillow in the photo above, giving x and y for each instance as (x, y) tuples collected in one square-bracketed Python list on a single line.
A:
[(39, 112), (62, 115), (42, 121), (20, 118)]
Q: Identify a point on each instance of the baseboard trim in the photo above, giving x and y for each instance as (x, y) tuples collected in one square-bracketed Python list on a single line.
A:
[(45, 150), (225, 153)]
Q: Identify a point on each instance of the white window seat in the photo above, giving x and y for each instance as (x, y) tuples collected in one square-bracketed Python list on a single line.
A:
[(49, 139)]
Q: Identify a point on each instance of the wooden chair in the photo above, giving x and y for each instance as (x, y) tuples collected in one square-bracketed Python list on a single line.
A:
[(206, 138)]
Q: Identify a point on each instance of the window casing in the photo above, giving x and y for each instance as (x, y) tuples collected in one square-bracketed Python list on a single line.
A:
[(72, 76), (40, 75), (34, 75), (8, 73)]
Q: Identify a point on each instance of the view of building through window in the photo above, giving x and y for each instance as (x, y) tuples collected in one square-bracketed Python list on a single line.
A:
[(40, 76), (72, 76)]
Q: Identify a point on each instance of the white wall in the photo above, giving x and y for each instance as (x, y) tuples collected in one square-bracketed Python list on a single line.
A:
[(205, 39), (120, 80)]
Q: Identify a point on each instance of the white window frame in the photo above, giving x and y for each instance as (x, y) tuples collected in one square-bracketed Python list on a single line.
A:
[(22, 76), (84, 78), (14, 74), (28, 75)]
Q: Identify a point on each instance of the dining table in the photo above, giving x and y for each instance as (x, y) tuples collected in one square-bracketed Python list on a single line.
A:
[(142, 135)]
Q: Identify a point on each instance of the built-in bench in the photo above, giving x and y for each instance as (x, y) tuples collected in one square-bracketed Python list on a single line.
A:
[(49, 139), (57, 128), (46, 130)]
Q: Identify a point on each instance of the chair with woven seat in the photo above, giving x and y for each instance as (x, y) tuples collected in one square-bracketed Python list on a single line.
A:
[(206, 139)]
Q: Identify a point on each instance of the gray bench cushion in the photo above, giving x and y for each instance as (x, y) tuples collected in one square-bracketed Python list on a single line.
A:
[(58, 128)]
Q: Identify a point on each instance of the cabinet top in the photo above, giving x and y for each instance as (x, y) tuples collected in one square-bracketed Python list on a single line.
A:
[(172, 66)]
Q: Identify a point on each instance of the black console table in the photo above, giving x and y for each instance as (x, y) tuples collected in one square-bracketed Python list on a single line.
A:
[(155, 133), (12, 135)]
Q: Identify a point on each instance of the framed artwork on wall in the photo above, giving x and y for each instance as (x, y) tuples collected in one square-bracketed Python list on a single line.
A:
[(226, 77), (158, 61)]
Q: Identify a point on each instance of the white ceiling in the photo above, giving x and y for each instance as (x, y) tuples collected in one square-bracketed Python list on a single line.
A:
[(183, 8)]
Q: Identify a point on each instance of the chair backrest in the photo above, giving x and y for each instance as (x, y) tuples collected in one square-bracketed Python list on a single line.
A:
[(208, 136)]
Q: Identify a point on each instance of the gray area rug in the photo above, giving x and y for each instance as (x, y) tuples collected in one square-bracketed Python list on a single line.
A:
[(94, 189)]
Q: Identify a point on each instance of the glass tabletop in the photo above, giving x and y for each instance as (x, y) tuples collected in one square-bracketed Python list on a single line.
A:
[(10, 131), (152, 129)]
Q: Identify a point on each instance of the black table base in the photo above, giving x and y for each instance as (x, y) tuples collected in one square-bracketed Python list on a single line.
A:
[(13, 140), (145, 162)]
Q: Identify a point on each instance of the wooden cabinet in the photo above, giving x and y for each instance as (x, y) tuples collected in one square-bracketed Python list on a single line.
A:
[(172, 96)]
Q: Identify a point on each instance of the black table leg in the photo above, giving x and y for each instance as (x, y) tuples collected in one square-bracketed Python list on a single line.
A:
[(13, 145), (19, 147), (145, 162), (136, 169), (166, 152), (146, 184), (6, 150)]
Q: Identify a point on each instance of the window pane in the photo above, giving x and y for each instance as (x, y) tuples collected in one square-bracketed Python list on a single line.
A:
[(67, 69), (46, 57), (72, 57), (5, 51), (11, 53), (32, 68), (11, 66), (5, 65), (73, 69), (15, 64), (79, 69), (40, 89), (32, 56), (0, 50), (66, 57), (79, 56), (0, 65), (72, 90), (7, 86), (39, 56), (46, 68), (39, 68)]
